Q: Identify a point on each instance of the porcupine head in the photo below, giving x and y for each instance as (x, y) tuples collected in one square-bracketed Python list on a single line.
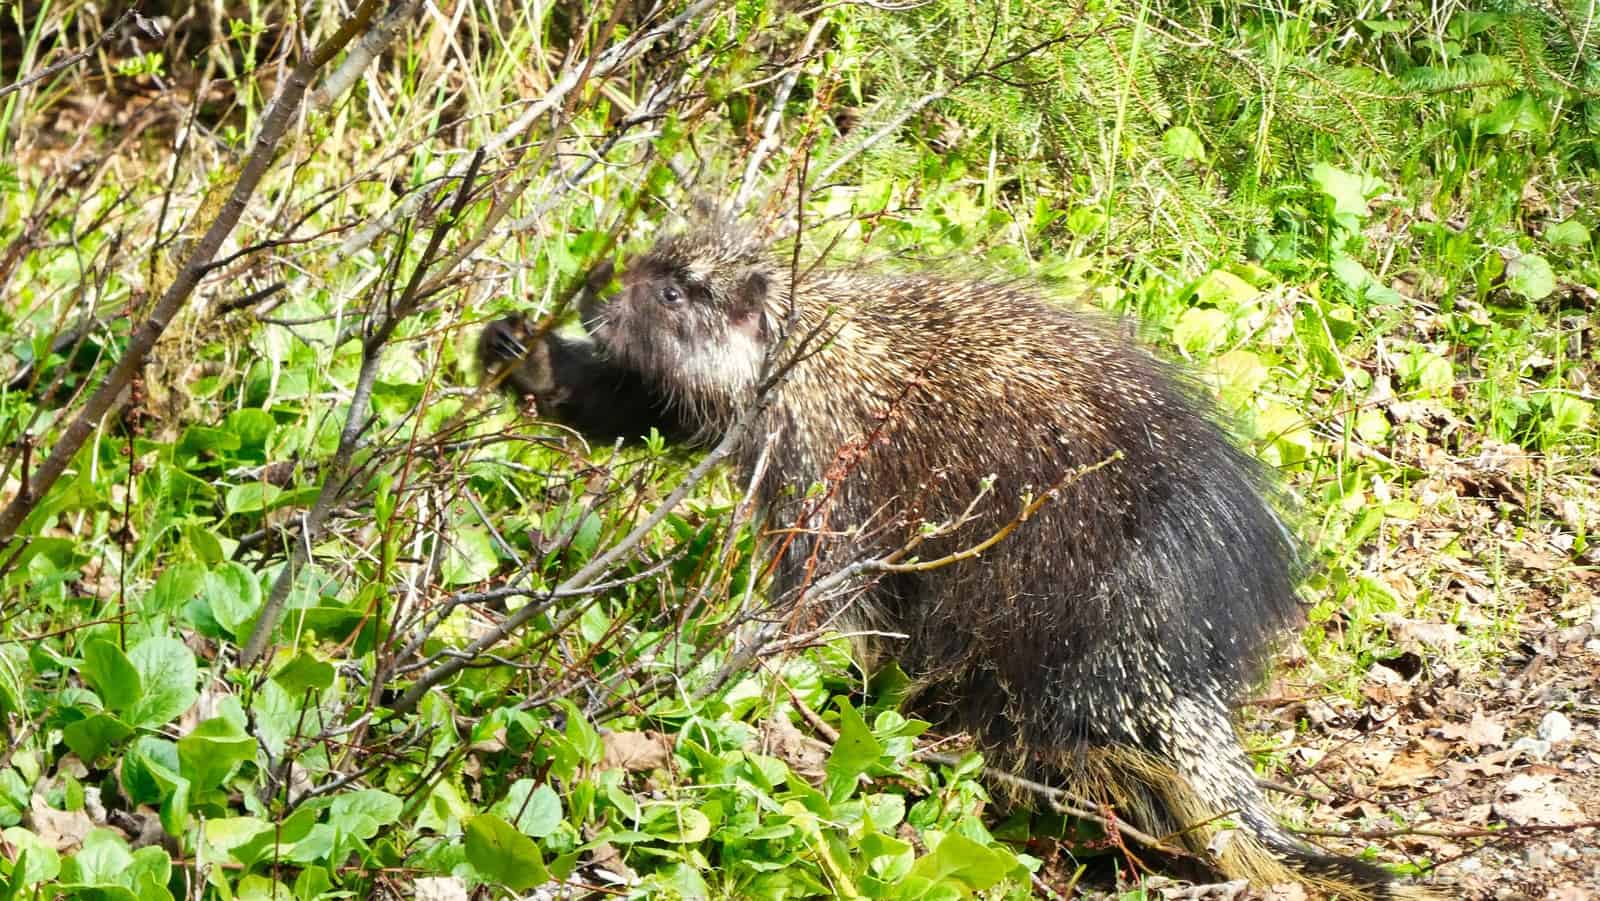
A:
[(696, 314)]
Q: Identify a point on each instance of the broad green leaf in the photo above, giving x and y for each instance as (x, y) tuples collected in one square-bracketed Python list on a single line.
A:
[(583, 736), (1428, 371), (471, 557), (503, 855), (855, 751), (677, 823), (1225, 290), (1200, 329), (148, 874), (208, 752), (234, 596), (1387, 26), (1530, 276), (1570, 233), (253, 427), (91, 737), (176, 585), (37, 861), (101, 860), (535, 811), (305, 670), (249, 497), (363, 813), (262, 888), (199, 440), (227, 833), (960, 858), (151, 770), (168, 674), (1568, 413), (1372, 426), (111, 674), (1240, 374), (1349, 193), (1181, 143)]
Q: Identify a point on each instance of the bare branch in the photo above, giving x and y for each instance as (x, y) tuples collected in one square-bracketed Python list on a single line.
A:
[(72, 60), (274, 123)]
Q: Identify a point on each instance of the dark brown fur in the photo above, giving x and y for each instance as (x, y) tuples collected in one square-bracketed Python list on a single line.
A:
[(1101, 644)]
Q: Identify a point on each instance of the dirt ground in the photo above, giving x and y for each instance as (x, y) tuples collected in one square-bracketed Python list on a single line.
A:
[(1474, 751)]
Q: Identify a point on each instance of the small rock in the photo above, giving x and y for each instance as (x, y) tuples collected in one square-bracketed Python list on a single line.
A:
[(1537, 856), (1555, 727), (1563, 851), (1535, 748)]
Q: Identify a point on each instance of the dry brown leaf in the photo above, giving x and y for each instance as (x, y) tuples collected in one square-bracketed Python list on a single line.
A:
[(1481, 731), (62, 830), (1408, 768), (804, 755), (1534, 798), (635, 752), (1438, 635)]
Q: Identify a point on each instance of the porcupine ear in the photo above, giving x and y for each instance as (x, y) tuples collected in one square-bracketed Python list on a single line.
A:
[(750, 303)]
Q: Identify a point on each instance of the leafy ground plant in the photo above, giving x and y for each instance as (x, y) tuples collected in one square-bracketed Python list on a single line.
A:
[(292, 607)]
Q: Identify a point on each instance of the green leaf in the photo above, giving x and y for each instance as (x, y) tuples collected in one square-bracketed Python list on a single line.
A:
[(250, 497), (1200, 329), (262, 888), (960, 858), (305, 671), (1430, 372), (363, 813), (855, 751), (252, 425), (234, 596), (200, 440), (226, 833), (36, 861), (583, 736), (503, 855), (178, 583), (677, 823), (208, 752), (1568, 413), (1224, 289), (535, 811), (148, 874), (1520, 113), (1240, 374), (1570, 233), (101, 860), (168, 673), (1348, 192), (1387, 26), (93, 736), (151, 770), (1530, 276), (471, 558), (1181, 143), (587, 538), (111, 674)]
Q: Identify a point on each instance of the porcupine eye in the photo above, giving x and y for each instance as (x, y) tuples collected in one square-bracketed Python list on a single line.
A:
[(671, 295)]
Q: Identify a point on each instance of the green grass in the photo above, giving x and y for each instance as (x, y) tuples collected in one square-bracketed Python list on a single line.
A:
[(1374, 239)]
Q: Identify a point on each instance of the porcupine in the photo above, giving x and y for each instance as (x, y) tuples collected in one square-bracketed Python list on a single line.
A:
[(1101, 644)]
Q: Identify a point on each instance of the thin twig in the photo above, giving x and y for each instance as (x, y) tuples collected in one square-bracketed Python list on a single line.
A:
[(72, 60), (274, 124)]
